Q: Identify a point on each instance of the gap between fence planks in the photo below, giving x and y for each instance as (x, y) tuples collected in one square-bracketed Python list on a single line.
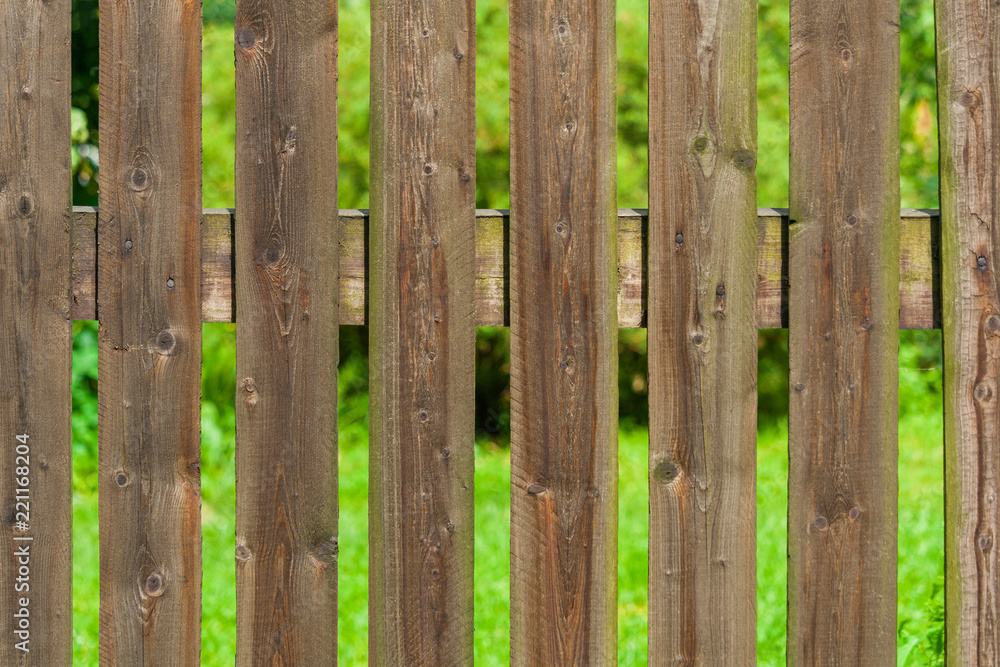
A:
[(149, 362), (969, 103), (919, 267), (35, 334)]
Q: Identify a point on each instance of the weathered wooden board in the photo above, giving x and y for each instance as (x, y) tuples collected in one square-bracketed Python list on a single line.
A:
[(564, 338), (423, 334), (969, 102), (149, 308), (286, 332), (843, 332), (919, 262), (35, 334), (702, 332)]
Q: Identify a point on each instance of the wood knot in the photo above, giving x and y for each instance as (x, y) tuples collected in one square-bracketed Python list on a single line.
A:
[(665, 471), (700, 144), (799, 386), (246, 39), (854, 513), (25, 206), (993, 323), (745, 159), (325, 552), (983, 392), (139, 180), (821, 523), (242, 553), (981, 262), (165, 342), (866, 325), (852, 220), (970, 99), (121, 478), (154, 585)]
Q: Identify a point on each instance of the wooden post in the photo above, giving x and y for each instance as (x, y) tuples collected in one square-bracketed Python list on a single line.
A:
[(35, 334), (422, 306), (149, 307), (702, 333), (968, 103), (564, 347), (843, 332), (286, 332)]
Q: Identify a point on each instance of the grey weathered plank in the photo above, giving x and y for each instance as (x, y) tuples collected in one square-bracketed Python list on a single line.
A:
[(702, 332), (35, 333), (969, 101), (149, 309), (564, 348), (919, 265), (286, 332), (843, 332), (423, 335)]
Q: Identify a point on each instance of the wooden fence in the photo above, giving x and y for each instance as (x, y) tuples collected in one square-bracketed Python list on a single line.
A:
[(843, 270)]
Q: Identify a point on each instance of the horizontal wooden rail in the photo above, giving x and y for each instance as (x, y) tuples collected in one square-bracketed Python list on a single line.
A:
[(919, 268)]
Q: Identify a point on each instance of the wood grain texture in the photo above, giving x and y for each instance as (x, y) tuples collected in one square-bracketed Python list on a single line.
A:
[(35, 332), (919, 266), (843, 332), (422, 336), (286, 332), (149, 309), (564, 347), (702, 332), (968, 38)]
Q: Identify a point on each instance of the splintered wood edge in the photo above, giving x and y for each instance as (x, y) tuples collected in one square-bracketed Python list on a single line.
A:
[(919, 267)]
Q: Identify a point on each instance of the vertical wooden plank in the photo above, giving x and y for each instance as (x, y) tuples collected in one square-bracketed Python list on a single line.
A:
[(843, 332), (35, 334), (149, 307), (564, 351), (702, 332), (422, 331), (968, 36), (286, 332)]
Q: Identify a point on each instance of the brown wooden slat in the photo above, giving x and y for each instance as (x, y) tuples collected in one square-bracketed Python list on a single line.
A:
[(843, 332), (286, 337), (422, 336), (564, 347), (702, 337), (969, 103), (35, 334), (919, 262), (149, 309)]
